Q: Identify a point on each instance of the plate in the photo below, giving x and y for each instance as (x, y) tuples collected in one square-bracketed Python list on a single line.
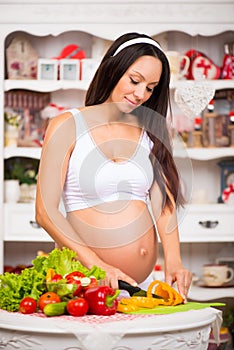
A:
[(228, 285)]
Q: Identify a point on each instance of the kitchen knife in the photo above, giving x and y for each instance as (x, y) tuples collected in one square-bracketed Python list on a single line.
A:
[(135, 291)]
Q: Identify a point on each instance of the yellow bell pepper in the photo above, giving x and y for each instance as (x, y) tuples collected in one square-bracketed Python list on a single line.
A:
[(50, 274)]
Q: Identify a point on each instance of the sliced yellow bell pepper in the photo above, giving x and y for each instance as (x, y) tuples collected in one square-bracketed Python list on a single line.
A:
[(168, 293), (50, 274), (126, 308), (144, 302)]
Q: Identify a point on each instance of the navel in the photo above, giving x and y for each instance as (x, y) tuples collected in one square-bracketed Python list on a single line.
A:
[(143, 252)]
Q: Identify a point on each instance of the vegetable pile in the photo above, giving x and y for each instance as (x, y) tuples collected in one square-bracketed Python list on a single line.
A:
[(60, 273), (59, 284)]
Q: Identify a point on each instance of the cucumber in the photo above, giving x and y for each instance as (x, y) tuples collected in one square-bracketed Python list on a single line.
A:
[(55, 309)]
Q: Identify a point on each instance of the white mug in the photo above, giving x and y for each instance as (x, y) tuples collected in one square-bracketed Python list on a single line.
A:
[(175, 58), (217, 275)]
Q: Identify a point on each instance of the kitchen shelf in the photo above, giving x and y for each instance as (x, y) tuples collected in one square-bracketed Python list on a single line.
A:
[(205, 293), (218, 84), (39, 237), (204, 153), (50, 86), (45, 85), (30, 152), (192, 153)]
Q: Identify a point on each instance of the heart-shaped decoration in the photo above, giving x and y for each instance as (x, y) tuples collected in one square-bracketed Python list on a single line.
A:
[(193, 96)]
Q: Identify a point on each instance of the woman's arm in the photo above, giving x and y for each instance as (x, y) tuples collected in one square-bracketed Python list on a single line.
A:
[(167, 228), (57, 148)]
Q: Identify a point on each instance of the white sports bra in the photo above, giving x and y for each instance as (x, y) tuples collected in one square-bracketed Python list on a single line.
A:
[(93, 179)]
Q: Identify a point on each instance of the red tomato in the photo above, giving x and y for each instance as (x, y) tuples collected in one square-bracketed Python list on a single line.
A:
[(28, 305), (77, 307), (48, 298)]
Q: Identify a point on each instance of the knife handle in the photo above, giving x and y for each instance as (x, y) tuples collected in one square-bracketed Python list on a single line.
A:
[(128, 287)]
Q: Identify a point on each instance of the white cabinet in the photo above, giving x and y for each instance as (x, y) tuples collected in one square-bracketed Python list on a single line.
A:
[(51, 27), (208, 223), (20, 224)]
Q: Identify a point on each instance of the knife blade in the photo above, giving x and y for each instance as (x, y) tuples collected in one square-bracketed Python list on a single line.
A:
[(135, 291)]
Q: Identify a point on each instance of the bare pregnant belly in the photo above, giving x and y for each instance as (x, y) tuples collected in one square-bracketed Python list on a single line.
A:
[(121, 233)]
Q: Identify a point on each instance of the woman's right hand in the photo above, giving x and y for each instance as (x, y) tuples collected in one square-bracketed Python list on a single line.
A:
[(114, 274)]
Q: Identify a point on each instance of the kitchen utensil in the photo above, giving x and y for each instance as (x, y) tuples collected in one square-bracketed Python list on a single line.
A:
[(135, 291), (217, 275), (175, 59)]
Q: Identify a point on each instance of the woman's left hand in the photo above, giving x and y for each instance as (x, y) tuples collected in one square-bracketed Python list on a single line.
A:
[(182, 277)]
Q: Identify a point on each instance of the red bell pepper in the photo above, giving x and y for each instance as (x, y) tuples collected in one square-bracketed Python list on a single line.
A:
[(75, 278), (102, 300), (56, 278), (93, 283)]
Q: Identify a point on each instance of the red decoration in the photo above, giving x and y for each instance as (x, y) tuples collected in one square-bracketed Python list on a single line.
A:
[(72, 51), (201, 66), (228, 63), (227, 191)]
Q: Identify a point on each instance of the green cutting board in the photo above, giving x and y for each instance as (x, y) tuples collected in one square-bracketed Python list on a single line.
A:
[(162, 310)]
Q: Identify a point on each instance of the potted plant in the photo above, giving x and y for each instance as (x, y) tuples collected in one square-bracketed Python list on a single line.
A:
[(12, 121), (23, 170)]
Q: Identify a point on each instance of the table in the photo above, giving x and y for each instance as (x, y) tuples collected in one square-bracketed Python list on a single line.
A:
[(182, 330)]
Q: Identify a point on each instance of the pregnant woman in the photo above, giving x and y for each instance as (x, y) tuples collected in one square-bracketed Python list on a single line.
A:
[(111, 162)]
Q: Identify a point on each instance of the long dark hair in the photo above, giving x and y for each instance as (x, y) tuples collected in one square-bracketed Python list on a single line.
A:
[(151, 115)]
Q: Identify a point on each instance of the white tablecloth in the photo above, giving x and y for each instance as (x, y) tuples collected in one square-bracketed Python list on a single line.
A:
[(182, 330)]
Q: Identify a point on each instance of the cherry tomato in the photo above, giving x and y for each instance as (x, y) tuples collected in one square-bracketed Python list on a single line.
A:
[(77, 307), (56, 278), (75, 278), (48, 298), (28, 305)]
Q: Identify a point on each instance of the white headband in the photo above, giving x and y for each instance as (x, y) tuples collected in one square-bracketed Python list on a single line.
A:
[(137, 41)]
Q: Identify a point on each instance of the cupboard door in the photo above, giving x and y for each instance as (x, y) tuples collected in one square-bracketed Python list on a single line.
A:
[(213, 223), (20, 224)]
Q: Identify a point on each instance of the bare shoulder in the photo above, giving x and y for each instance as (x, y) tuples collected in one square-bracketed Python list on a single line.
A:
[(64, 121), (63, 118), (61, 127)]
